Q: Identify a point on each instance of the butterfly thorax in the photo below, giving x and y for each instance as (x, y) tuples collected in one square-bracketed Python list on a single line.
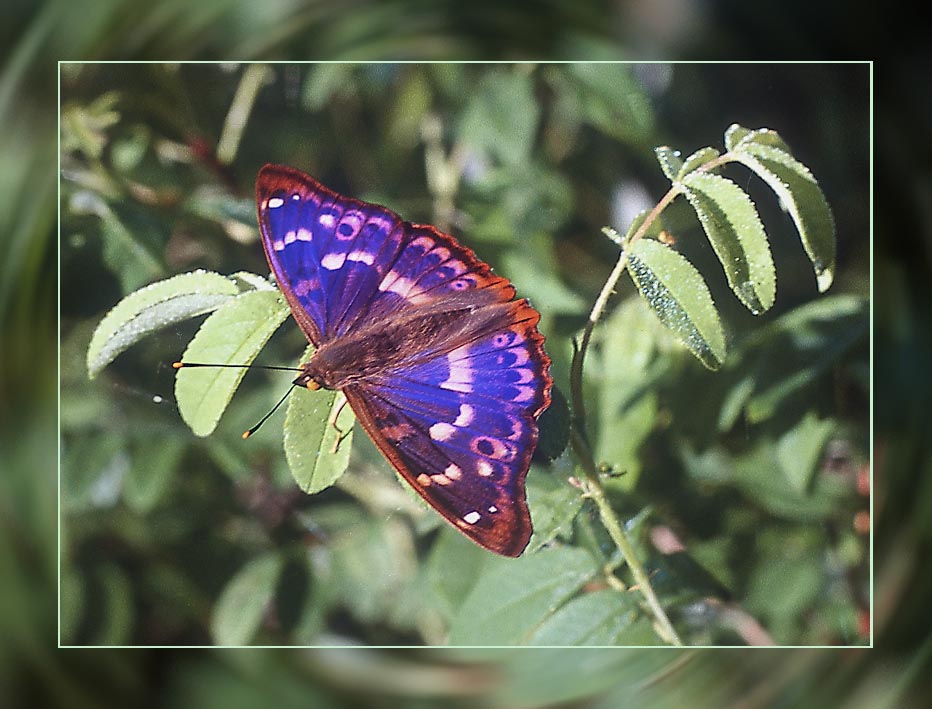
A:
[(414, 335)]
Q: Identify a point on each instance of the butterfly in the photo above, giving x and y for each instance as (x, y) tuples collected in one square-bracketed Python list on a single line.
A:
[(442, 366)]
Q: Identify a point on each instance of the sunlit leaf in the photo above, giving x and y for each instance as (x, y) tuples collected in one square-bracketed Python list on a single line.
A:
[(234, 334), (680, 298), (670, 161), (696, 160), (152, 308), (312, 428), (766, 154), (731, 222)]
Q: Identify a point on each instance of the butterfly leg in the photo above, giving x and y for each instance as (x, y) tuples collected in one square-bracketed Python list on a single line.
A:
[(341, 434)]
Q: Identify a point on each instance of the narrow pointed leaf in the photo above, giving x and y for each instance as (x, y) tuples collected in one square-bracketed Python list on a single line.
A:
[(314, 458), (733, 226), (670, 161), (696, 160), (680, 298), (737, 136), (234, 334), (653, 230), (152, 308), (801, 196)]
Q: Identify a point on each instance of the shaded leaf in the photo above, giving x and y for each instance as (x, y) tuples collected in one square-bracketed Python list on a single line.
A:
[(731, 222), (679, 297), (234, 334), (154, 464), (553, 502), (799, 450), (152, 308), (242, 603), (514, 596), (608, 96), (606, 617), (501, 117)]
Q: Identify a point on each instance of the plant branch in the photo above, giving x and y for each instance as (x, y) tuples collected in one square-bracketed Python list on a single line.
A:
[(579, 437)]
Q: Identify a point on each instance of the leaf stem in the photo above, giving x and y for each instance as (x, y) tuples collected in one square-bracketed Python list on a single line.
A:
[(580, 442)]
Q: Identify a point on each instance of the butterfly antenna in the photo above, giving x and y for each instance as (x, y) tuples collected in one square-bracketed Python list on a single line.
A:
[(179, 365), (247, 434)]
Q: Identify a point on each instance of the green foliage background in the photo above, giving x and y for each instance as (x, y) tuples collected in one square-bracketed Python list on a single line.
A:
[(35, 670)]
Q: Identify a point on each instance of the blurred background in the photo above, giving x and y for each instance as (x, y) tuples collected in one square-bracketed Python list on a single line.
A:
[(175, 118)]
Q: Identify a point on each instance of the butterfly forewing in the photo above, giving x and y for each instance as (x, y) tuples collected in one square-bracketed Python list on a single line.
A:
[(453, 403)]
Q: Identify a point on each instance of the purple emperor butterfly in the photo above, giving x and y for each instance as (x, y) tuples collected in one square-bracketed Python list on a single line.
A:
[(443, 368)]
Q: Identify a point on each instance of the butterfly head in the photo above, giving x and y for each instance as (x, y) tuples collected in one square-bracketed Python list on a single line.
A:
[(306, 380)]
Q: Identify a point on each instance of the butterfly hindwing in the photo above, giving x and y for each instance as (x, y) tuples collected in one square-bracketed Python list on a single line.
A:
[(483, 498)]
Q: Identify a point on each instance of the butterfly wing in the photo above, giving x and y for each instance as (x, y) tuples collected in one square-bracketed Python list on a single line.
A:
[(460, 428), (328, 252), (340, 261), (458, 421)]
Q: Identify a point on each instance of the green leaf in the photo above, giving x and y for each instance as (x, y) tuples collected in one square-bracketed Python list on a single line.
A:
[(737, 136), (452, 569), (234, 334), (799, 450), (767, 155), (553, 502), (653, 231), (514, 596), (601, 618), (152, 308), (154, 464), (670, 161), (242, 603), (733, 226), (696, 160), (607, 96), (311, 435), (117, 607), (679, 297), (502, 116)]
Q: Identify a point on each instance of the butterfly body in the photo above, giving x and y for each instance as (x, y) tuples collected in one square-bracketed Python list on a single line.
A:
[(443, 368)]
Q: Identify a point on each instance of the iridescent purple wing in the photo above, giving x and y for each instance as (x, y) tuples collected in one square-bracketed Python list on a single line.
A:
[(461, 428), (456, 415)]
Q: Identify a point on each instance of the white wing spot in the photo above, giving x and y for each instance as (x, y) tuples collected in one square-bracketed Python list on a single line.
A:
[(441, 431), (472, 517), (290, 237), (423, 479), (493, 509), (327, 220), (460, 378), (484, 468), (453, 471), (333, 261), (363, 256), (466, 416), (275, 202), (278, 245), (304, 234)]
